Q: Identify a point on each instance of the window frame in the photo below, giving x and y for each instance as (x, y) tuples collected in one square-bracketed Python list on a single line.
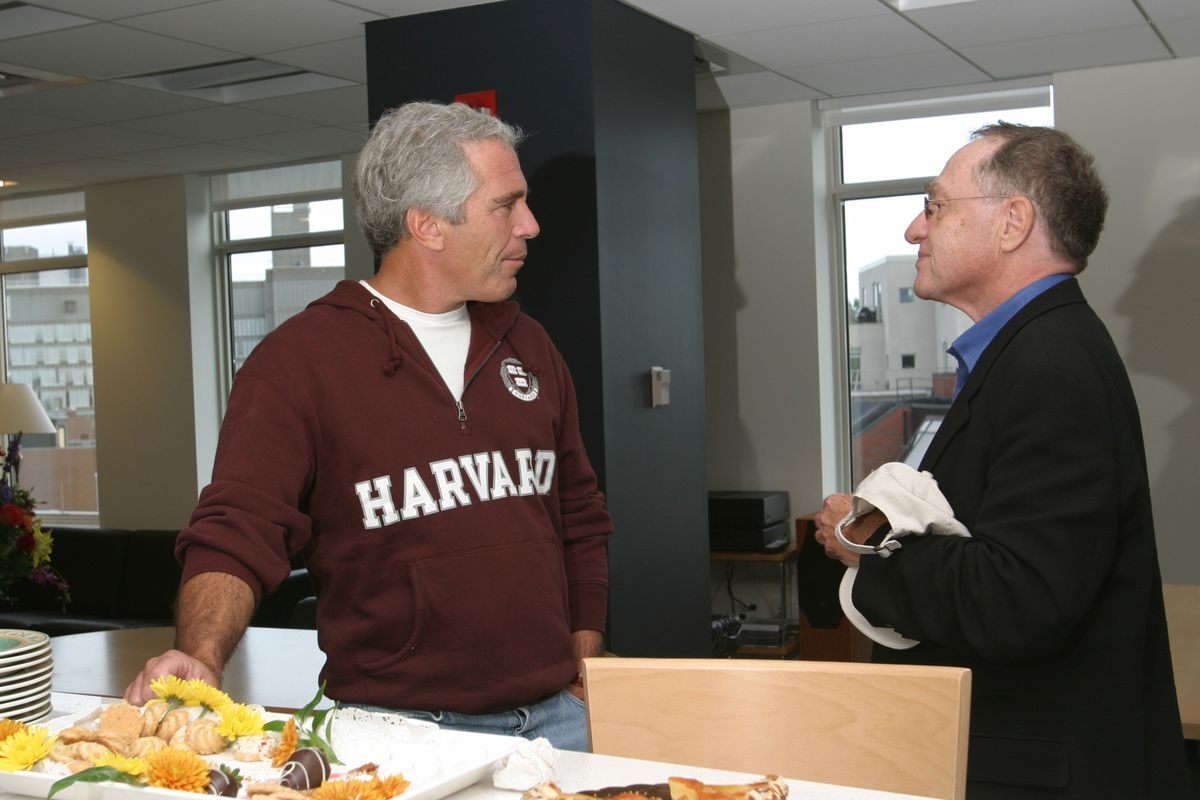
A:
[(25, 265), (833, 114), (224, 248), (36, 264)]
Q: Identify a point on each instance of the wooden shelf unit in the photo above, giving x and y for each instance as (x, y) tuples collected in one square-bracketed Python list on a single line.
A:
[(786, 559)]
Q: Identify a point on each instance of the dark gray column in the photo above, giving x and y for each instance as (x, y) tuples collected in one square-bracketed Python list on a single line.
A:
[(606, 95)]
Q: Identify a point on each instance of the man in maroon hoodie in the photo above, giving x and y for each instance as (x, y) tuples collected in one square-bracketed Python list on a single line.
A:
[(416, 437)]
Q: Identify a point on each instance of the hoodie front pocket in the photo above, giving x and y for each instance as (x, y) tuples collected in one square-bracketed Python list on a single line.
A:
[(506, 601)]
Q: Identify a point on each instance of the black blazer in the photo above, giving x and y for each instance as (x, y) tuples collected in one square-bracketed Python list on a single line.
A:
[(1055, 603)]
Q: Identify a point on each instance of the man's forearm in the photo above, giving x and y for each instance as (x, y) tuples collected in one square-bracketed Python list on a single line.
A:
[(213, 612), (587, 644)]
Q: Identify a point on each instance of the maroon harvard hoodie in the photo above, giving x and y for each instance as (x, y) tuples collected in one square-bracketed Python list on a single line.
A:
[(456, 545)]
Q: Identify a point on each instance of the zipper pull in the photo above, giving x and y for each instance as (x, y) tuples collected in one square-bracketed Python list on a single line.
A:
[(462, 411)]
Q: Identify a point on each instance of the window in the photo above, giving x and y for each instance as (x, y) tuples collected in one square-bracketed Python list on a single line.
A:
[(47, 338), (281, 244), (881, 159)]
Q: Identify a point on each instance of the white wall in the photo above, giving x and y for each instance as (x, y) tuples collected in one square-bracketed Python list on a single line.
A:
[(147, 262), (759, 253), (1142, 123)]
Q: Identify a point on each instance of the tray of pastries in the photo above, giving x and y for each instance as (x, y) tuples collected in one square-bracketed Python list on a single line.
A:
[(193, 739)]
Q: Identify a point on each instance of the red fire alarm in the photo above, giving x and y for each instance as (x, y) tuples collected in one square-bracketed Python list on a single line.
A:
[(484, 101)]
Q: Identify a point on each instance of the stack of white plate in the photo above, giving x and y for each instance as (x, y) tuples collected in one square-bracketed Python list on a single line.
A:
[(26, 667)]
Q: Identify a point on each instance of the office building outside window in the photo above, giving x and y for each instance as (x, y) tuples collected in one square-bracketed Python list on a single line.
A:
[(281, 240), (47, 338)]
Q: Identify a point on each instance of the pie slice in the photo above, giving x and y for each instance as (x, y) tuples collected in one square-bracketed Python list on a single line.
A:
[(769, 788)]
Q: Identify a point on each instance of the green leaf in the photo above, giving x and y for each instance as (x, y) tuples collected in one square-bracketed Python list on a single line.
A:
[(94, 775), (318, 742), (318, 718), (303, 713), (329, 726), (275, 725)]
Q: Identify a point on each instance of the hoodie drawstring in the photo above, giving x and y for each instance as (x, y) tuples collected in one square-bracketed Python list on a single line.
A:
[(396, 356)]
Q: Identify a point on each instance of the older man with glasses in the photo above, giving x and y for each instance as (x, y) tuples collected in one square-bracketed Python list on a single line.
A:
[(1054, 600)]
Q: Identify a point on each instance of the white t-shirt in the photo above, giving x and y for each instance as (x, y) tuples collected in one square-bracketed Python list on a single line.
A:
[(445, 338)]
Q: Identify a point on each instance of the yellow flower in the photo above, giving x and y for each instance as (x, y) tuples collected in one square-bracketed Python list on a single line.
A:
[(172, 768), (130, 766), (10, 726), (25, 748), (373, 788), (198, 693), (168, 687), (394, 785), (42, 544), (349, 789), (239, 720), (287, 743)]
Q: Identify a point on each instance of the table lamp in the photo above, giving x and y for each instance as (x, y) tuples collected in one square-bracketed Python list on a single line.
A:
[(20, 412)]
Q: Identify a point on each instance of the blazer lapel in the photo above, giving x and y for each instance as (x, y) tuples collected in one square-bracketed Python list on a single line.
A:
[(960, 410)]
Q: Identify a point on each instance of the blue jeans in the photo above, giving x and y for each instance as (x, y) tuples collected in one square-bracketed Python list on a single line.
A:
[(560, 718)]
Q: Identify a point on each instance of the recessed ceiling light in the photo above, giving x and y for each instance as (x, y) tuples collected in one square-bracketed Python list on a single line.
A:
[(235, 81), (916, 5)]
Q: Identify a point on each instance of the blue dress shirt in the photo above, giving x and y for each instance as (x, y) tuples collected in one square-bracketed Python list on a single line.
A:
[(968, 347)]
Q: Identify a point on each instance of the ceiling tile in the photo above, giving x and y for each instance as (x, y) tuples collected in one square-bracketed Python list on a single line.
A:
[(13, 156), (345, 58), (307, 143), (1167, 10), (891, 73), (85, 171), (332, 107), (26, 20), (263, 26), (101, 102), (1071, 51), (98, 141), (992, 21), (402, 8), (105, 50), (783, 49), (214, 124), (111, 9), (204, 158), (758, 88), (1184, 36), (710, 18), (19, 123)]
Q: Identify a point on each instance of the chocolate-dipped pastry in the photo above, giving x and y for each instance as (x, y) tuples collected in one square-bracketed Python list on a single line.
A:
[(223, 783), (307, 769), (652, 791)]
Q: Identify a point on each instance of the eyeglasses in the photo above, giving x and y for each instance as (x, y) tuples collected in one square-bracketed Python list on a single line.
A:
[(934, 206)]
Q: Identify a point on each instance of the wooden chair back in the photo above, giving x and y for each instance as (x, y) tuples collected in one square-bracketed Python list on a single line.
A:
[(1183, 626), (877, 726)]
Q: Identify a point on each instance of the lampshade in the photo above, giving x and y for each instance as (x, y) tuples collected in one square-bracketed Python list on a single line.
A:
[(20, 410)]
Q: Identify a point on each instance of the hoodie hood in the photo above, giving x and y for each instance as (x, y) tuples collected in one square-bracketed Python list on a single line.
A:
[(489, 321)]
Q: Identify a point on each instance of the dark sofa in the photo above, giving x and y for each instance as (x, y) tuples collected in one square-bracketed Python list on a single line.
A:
[(128, 579)]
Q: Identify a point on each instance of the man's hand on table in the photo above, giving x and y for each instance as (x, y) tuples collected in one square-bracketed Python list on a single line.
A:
[(172, 662)]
